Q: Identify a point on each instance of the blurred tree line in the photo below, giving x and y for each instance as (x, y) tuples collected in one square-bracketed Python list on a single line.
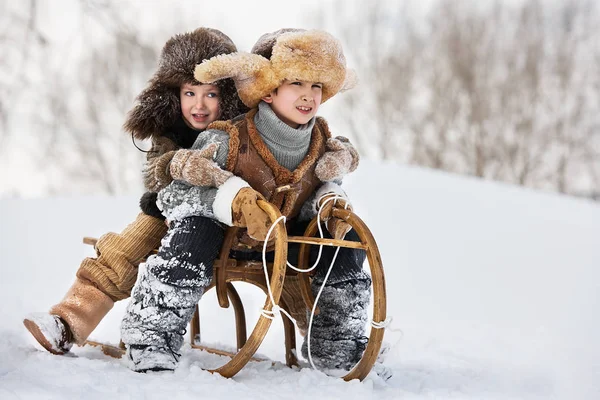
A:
[(507, 92), (502, 91), (72, 100)]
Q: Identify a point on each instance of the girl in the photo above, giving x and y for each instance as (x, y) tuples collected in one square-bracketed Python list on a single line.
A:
[(171, 111)]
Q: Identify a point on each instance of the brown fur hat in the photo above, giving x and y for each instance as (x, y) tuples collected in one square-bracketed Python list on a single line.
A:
[(292, 54), (158, 106)]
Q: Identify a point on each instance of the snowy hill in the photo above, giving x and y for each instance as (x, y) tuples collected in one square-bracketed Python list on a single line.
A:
[(494, 292)]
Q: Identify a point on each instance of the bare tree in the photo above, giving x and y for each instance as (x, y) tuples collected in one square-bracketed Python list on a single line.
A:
[(72, 109), (89, 106), (19, 35), (89, 123), (501, 92)]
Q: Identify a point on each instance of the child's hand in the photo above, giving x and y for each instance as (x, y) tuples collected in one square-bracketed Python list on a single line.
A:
[(246, 213), (340, 159), (336, 227), (198, 168)]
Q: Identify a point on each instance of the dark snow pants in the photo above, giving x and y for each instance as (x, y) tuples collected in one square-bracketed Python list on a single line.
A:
[(164, 298), (338, 333), (166, 293)]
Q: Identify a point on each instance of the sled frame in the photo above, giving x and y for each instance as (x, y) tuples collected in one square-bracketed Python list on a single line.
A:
[(228, 270)]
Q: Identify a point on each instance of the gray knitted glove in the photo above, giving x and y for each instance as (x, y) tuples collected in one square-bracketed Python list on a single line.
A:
[(340, 159)]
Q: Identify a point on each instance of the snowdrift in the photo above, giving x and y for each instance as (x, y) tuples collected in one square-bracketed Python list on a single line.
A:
[(494, 291)]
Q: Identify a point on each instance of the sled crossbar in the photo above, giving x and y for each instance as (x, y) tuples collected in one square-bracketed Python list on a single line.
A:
[(327, 242)]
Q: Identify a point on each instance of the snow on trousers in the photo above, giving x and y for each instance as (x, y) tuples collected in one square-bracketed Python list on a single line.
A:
[(338, 332), (164, 298)]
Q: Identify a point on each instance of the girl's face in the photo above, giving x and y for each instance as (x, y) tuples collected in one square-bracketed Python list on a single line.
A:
[(296, 102), (199, 105)]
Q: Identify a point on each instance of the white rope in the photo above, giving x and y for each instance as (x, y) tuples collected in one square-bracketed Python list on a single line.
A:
[(331, 198), (276, 309), (383, 324), (312, 312)]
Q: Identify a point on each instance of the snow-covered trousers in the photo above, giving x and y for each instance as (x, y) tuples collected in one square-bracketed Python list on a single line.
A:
[(164, 298), (338, 332)]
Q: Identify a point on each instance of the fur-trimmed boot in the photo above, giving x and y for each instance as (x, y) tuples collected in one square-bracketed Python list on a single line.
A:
[(72, 320)]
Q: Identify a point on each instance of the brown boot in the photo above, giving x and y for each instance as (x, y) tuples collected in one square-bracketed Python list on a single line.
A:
[(50, 331), (72, 320), (82, 309)]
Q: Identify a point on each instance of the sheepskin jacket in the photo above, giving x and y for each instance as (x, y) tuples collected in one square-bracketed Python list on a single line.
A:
[(242, 150), (250, 159)]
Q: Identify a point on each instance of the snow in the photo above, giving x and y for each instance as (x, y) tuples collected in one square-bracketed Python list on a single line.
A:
[(494, 291)]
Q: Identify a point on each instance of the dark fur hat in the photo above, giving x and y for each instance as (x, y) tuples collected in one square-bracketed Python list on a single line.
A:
[(158, 106)]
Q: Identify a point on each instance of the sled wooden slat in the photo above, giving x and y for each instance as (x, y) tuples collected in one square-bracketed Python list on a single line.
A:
[(327, 242), (364, 366), (240, 318), (221, 267), (90, 240), (108, 349), (117, 352), (225, 353)]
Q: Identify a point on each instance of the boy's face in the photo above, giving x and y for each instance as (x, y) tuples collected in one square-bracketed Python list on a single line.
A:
[(296, 102), (199, 105)]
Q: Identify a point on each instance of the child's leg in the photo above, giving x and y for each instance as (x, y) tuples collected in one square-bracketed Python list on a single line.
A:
[(164, 297), (100, 282), (114, 271), (338, 332)]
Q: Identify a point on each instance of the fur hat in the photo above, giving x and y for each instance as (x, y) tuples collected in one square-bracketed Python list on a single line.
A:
[(158, 106), (292, 54)]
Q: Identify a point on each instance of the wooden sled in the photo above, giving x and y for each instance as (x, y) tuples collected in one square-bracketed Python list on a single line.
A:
[(290, 290)]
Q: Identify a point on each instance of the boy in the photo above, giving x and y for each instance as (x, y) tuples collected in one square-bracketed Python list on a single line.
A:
[(171, 111), (280, 144)]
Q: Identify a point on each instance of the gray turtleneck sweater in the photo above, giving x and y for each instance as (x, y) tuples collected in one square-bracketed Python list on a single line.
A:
[(288, 145)]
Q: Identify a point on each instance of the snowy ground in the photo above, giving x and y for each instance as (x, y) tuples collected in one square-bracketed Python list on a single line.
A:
[(494, 292)]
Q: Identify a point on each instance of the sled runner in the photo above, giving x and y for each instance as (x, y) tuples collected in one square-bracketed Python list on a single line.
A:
[(286, 289)]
